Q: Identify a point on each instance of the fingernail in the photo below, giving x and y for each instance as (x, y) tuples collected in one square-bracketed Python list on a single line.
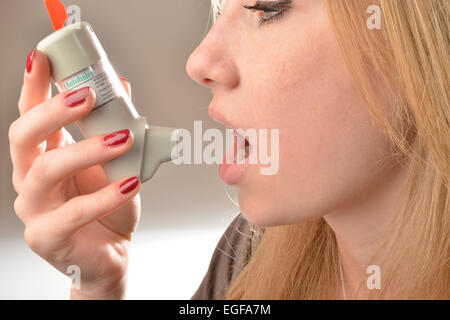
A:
[(116, 138), (76, 98), (128, 185), (30, 60), (125, 79)]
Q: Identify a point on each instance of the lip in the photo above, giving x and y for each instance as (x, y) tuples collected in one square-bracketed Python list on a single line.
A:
[(230, 173), (219, 117)]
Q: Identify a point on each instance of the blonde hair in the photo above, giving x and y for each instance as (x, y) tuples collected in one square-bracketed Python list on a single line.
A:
[(406, 60)]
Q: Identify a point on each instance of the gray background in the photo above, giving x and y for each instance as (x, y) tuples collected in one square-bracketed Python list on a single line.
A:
[(184, 208)]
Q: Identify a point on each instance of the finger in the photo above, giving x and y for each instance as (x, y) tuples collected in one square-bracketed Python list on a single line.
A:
[(36, 81), (59, 139), (42, 121), (83, 210), (56, 165), (126, 85), (59, 225), (28, 132)]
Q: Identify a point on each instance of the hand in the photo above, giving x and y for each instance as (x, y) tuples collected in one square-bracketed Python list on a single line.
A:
[(72, 214)]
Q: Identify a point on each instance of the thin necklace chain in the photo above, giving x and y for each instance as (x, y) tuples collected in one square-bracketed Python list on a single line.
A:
[(230, 197), (339, 254), (342, 276)]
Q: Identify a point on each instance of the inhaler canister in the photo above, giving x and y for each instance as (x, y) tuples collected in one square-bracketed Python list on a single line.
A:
[(78, 59)]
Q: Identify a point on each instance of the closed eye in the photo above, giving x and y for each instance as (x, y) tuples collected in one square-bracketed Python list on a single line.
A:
[(270, 10)]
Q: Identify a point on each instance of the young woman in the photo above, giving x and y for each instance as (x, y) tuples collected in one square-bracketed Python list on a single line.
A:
[(359, 207)]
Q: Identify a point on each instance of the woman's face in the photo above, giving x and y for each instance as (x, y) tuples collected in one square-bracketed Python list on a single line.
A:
[(288, 74)]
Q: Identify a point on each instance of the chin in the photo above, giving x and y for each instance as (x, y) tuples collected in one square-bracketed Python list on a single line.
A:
[(271, 213), (262, 213), (255, 212)]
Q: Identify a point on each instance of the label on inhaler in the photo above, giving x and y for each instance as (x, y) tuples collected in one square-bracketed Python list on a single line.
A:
[(100, 77)]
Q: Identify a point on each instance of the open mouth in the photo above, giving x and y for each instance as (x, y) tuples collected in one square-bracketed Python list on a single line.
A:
[(236, 159), (241, 147)]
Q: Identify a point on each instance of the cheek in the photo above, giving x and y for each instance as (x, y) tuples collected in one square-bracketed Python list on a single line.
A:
[(287, 75), (330, 147)]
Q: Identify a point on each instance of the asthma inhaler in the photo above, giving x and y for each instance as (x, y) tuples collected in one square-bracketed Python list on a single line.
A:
[(77, 60)]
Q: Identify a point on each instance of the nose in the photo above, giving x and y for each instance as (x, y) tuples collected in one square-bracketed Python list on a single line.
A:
[(212, 64)]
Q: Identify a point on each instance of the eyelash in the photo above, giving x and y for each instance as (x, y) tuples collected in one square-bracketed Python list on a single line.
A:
[(269, 7)]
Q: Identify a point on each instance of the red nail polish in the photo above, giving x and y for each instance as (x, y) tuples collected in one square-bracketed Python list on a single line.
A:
[(77, 97), (117, 138), (128, 185), (30, 60)]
